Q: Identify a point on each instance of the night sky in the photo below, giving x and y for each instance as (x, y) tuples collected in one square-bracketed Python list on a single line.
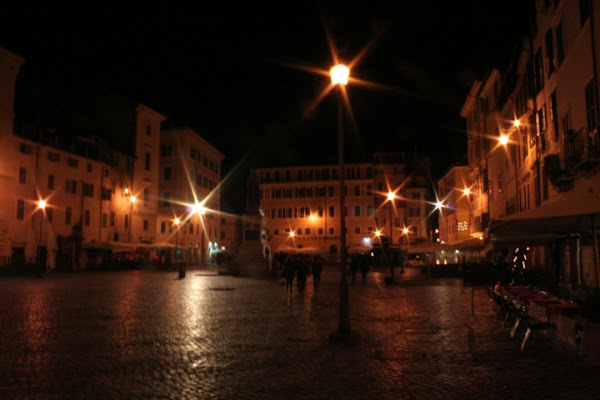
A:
[(234, 72)]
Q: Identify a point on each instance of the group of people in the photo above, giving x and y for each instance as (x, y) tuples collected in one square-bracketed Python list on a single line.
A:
[(299, 267), (359, 262)]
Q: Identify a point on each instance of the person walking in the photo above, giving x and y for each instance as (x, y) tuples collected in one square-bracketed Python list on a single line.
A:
[(301, 272), (289, 272), (317, 268), (364, 268)]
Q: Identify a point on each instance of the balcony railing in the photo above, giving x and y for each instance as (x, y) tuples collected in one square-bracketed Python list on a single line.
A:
[(583, 149)]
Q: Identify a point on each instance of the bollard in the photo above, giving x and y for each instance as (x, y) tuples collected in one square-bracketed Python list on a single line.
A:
[(181, 269)]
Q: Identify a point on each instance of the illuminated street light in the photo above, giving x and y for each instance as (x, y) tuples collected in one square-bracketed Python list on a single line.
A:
[(339, 77), (503, 140), (180, 269), (466, 191), (391, 196), (42, 206), (132, 200)]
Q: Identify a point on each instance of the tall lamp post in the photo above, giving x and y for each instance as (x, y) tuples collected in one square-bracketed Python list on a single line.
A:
[(132, 200), (42, 206), (339, 76), (391, 196), (180, 270)]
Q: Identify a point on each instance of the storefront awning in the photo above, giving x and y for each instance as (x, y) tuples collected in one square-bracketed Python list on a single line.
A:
[(569, 215)]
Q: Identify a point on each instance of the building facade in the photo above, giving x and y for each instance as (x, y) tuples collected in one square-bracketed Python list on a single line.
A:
[(90, 190), (301, 205), (534, 153), (454, 192)]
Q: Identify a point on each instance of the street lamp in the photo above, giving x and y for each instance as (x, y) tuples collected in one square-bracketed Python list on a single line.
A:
[(42, 206), (391, 196), (180, 270), (339, 76), (132, 200)]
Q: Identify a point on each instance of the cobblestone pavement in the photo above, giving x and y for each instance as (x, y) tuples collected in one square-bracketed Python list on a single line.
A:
[(149, 335)]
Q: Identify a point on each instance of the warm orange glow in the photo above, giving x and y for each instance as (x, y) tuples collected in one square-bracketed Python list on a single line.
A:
[(292, 233), (339, 74), (467, 191), (177, 221), (42, 204), (377, 233), (132, 199), (312, 217), (503, 140), (391, 196), (517, 123), (405, 231)]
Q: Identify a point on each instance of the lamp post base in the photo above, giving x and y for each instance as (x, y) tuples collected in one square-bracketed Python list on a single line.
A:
[(350, 338), (181, 270)]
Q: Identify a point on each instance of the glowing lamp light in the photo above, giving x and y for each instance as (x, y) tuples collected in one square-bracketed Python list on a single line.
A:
[(517, 123), (176, 221), (132, 199), (312, 217), (467, 191), (292, 233), (405, 231), (503, 140), (391, 196), (339, 74), (42, 204)]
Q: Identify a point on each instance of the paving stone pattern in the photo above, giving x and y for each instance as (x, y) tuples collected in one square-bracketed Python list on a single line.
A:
[(150, 335)]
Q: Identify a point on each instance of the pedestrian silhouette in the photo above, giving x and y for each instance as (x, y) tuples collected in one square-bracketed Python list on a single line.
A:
[(317, 268), (289, 272), (364, 268), (354, 267)]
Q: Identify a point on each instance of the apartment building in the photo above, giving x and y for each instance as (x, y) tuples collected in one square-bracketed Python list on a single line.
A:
[(454, 192), (533, 144), (84, 184), (190, 192), (301, 205)]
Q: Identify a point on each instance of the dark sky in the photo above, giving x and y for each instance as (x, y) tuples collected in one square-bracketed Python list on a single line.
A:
[(227, 70)]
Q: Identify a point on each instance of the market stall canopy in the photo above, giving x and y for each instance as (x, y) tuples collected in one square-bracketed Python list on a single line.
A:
[(428, 247), (566, 216), (359, 249)]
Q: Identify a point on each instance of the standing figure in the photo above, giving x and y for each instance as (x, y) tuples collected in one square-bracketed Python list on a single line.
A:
[(364, 268), (317, 268), (289, 272), (301, 272)]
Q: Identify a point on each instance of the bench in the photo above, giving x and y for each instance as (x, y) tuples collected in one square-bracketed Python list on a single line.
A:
[(532, 324)]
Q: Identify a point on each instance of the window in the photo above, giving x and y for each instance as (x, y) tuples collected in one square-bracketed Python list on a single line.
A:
[(357, 230), (54, 157), (89, 167), (106, 193), (357, 190), (112, 218), (369, 211), (166, 199), (86, 218), (538, 73), (307, 231), (560, 45), (104, 220), (148, 130), (72, 162), (106, 172), (50, 181), (147, 161), (88, 189), (590, 106), (20, 209), (25, 148), (168, 173), (584, 11), (541, 124), (554, 115), (331, 211), (146, 194), (163, 227), (68, 212), (331, 231), (22, 175), (550, 52), (71, 186), (145, 224), (357, 211), (369, 190)]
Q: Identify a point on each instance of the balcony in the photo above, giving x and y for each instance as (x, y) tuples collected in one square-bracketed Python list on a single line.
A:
[(583, 150)]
